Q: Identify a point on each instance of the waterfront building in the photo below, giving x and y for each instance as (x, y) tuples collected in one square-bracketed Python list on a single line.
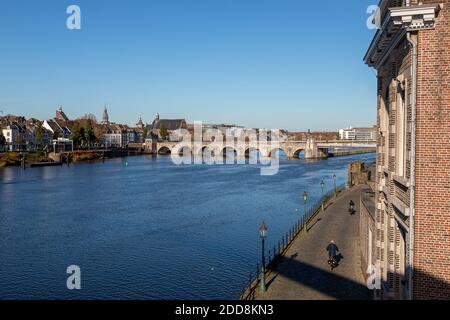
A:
[(411, 53), (58, 130), (20, 134), (116, 135), (170, 125), (358, 133), (32, 126), (12, 134), (61, 116), (138, 131), (58, 126), (119, 135)]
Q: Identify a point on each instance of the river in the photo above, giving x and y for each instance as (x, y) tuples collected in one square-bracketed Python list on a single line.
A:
[(144, 228)]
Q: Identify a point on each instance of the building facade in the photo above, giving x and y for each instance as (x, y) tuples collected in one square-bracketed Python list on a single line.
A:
[(59, 125), (411, 53), (367, 229), (159, 125), (12, 134), (116, 135), (358, 133)]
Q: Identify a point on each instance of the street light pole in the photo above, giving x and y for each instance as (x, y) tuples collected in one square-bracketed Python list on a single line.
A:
[(305, 199), (262, 234), (335, 190), (322, 185)]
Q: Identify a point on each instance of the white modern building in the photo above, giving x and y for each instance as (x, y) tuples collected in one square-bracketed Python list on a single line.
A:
[(358, 133)]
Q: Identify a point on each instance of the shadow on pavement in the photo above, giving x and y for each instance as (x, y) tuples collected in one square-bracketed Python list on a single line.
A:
[(328, 283)]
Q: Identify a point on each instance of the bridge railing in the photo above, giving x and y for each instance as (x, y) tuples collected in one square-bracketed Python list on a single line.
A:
[(275, 254)]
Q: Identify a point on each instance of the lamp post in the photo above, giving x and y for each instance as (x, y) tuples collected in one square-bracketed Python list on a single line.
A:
[(335, 190), (262, 234), (305, 199), (322, 185)]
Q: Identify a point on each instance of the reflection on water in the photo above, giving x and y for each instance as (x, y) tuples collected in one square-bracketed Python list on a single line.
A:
[(149, 229)]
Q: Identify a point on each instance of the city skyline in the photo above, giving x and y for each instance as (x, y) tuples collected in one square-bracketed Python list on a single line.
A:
[(147, 121), (188, 60)]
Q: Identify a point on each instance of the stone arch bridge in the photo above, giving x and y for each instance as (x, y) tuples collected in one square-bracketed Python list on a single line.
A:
[(292, 149)]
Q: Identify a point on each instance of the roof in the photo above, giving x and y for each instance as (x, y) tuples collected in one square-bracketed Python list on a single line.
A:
[(366, 129), (169, 124), (54, 125), (115, 128), (60, 115)]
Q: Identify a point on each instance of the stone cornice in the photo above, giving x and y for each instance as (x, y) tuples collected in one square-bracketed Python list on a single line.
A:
[(397, 21), (415, 17)]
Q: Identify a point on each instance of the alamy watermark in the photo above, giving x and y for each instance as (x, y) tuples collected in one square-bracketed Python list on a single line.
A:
[(73, 22), (74, 280), (374, 277), (228, 146), (374, 20)]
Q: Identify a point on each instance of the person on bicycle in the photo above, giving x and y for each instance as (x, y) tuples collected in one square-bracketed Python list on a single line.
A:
[(332, 251), (351, 207)]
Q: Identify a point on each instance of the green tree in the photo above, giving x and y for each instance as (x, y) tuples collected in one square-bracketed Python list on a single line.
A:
[(164, 133), (77, 135), (99, 131), (89, 135), (145, 133), (20, 141), (2, 141), (40, 132)]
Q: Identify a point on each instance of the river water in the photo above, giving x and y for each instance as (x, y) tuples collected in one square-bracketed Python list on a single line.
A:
[(144, 228)]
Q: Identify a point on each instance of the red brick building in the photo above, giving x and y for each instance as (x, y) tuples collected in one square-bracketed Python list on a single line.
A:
[(411, 53)]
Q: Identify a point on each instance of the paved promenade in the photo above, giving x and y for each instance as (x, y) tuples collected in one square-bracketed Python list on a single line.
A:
[(304, 274)]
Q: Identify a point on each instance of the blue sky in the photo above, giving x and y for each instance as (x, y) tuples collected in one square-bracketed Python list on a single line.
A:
[(289, 64)]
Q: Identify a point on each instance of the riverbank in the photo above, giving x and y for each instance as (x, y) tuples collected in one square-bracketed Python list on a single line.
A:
[(93, 155), (38, 159), (351, 152), (10, 159)]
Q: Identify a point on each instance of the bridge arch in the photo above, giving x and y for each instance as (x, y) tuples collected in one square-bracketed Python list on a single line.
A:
[(252, 152), (228, 150), (211, 150), (298, 153), (164, 150), (184, 151), (276, 153)]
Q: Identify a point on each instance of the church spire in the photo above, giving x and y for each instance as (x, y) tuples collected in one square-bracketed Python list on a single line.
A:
[(105, 118)]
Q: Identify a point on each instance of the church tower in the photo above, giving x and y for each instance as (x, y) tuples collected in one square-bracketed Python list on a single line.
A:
[(105, 118), (140, 124)]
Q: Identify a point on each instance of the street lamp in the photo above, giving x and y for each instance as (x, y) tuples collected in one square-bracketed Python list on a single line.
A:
[(305, 199), (335, 190), (262, 234), (322, 185)]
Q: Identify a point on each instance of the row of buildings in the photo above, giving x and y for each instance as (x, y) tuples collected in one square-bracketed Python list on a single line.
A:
[(405, 227), (32, 134), (22, 134)]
